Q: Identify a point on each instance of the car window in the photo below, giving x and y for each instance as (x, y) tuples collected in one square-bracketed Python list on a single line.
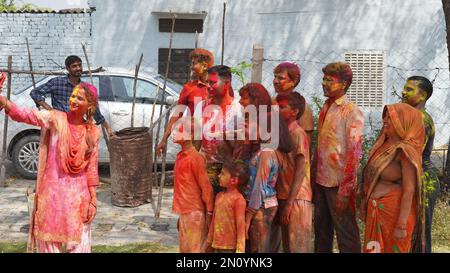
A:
[(176, 87), (104, 86), (95, 79), (122, 89)]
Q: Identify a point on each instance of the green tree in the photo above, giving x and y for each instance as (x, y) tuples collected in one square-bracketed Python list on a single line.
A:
[(7, 5), (10, 5)]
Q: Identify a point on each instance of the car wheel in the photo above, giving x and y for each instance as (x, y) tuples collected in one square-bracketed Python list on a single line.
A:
[(25, 156)]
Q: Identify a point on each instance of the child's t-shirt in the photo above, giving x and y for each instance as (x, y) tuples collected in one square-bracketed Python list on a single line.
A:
[(287, 166), (227, 229), (263, 169), (192, 190)]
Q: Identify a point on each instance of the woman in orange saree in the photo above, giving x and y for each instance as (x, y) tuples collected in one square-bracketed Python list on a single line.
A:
[(65, 202), (391, 182)]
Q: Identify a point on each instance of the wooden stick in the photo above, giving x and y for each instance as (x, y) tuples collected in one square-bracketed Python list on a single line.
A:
[(155, 173), (105, 135), (166, 112), (166, 76), (223, 31), (31, 64), (163, 174), (153, 110), (5, 129), (87, 61), (48, 73), (136, 72)]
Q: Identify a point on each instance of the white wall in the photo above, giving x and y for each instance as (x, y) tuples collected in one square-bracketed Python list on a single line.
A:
[(412, 33)]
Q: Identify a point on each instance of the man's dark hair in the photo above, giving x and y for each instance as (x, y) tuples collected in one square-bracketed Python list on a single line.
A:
[(341, 70), (424, 84), (237, 169), (222, 70), (295, 101), (72, 59), (292, 69)]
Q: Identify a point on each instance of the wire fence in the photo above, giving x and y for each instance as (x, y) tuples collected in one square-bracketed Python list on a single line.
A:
[(377, 74), (115, 88)]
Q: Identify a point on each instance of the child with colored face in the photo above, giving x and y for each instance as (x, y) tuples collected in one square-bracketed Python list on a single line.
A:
[(193, 195), (192, 93), (227, 230), (260, 191), (293, 225), (286, 77)]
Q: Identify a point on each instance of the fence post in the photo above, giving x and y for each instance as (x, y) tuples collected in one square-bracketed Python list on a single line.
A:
[(5, 128), (257, 61)]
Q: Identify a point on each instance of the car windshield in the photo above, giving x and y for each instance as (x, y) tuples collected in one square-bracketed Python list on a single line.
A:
[(176, 87)]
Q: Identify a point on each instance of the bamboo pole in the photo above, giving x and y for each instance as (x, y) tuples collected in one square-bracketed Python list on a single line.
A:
[(5, 128), (223, 31), (48, 73), (153, 111), (30, 64), (87, 61), (157, 225), (164, 114), (155, 174), (136, 72), (105, 135), (30, 191), (165, 78)]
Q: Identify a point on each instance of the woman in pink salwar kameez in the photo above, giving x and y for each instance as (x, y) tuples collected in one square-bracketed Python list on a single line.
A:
[(65, 202)]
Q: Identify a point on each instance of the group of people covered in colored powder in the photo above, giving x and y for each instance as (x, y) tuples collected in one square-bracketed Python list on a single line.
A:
[(270, 192), (248, 181)]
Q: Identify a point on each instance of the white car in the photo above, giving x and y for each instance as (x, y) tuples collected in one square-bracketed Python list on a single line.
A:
[(115, 88)]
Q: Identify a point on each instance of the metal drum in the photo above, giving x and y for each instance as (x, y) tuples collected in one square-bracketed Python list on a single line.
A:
[(131, 167)]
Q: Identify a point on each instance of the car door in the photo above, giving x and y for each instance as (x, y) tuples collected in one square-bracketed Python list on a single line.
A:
[(121, 105)]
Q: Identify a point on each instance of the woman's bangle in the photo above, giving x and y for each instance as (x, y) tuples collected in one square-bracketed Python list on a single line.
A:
[(95, 206)]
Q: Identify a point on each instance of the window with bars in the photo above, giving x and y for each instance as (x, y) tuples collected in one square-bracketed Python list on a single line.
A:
[(181, 25), (180, 65), (367, 89)]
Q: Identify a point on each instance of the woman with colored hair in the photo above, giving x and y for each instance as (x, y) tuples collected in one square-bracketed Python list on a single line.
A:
[(391, 183), (260, 191), (65, 202)]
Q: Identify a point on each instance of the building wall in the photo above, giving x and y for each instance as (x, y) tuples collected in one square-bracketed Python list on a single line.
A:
[(312, 33), (52, 37)]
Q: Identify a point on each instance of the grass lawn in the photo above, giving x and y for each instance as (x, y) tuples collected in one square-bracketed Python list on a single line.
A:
[(440, 234), (130, 248), (441, 226)]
